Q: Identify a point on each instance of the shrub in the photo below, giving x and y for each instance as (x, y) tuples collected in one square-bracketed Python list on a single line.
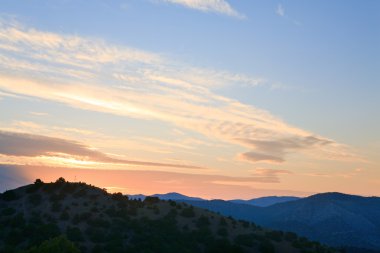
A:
[(56, 245), (49, 188), (57, 197), (80, 193), (35, 199), (9, 196), (290, 236), (188, 212), (275, 235), (222, 222), (203, 221), (245, 240), (74, 234), (8, 211), (38, 182), (18, 221), (14, 237), (60, 180), (48, 230), (64, 216), (69, 188), (96, 235), (118, 196), (266, 246), (151, 200), (172, 213), (244, 223), (222, 232), (56, 207), (98, 222)]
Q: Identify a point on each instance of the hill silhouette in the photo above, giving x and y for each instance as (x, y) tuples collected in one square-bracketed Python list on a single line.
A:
[(265, 201), (336, 219), (77, 217)]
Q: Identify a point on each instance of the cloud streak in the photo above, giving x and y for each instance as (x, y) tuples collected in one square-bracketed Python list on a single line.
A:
[(217, 6), (280, 10), (146, 86), (22, 144), (279, 148)]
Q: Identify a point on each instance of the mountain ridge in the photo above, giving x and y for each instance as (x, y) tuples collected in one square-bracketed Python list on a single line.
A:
[(265, 201), (261, 201), (38, 215), (333, 218)]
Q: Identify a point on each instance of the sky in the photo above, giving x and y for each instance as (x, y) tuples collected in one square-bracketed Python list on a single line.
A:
[(211, 98)]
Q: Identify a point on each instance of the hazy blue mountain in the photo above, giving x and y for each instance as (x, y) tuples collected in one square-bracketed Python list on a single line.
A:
[(333, 218), (137, 196), (176, 196), (167, 196), (265, 201)]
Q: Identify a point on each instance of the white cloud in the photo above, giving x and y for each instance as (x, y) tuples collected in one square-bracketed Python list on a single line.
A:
[(217, 6), (48, 147), (280, 10), (134, 83)]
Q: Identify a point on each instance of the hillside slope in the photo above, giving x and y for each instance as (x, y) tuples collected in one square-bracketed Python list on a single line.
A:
[(265, 201), (332, 218), (96, 221)]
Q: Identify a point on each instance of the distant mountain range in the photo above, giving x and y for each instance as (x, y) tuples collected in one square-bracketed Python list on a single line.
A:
[(337, 219), (167, 196), (262, 202), (333, 218), (265, 201)]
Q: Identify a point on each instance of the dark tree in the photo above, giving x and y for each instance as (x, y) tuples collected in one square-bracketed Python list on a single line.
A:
[(38, 182)]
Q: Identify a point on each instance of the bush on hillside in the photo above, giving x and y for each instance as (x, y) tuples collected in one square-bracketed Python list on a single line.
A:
[(58, 244)]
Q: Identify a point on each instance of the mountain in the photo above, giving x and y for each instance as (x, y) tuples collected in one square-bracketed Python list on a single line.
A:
[(167, 196), (76, 217), (333, 218), (176, 196), (137, 196), (265, 201)]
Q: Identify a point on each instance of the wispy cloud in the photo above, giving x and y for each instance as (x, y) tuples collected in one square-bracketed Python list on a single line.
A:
[(142, 85), (22, 144), (275, 151), (60, 56), (39, 114), (260, 157), (280, 10), (6, 94), (267, 176), (217, 6)]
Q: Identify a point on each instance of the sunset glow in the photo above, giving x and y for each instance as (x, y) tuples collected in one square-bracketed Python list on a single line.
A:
[(191, 97)]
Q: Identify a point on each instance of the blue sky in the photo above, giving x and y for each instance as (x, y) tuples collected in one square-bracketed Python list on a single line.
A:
[(312, 65)]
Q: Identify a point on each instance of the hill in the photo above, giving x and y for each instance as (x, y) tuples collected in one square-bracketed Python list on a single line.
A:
[(167, 196), (82, 218), (176, 196), (336, 219), (265, 201)]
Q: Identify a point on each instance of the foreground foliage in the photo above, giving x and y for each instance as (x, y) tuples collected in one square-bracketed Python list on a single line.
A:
[(76, 217)]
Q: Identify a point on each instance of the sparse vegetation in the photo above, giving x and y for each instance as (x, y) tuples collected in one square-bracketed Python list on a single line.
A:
[(76, 217)]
